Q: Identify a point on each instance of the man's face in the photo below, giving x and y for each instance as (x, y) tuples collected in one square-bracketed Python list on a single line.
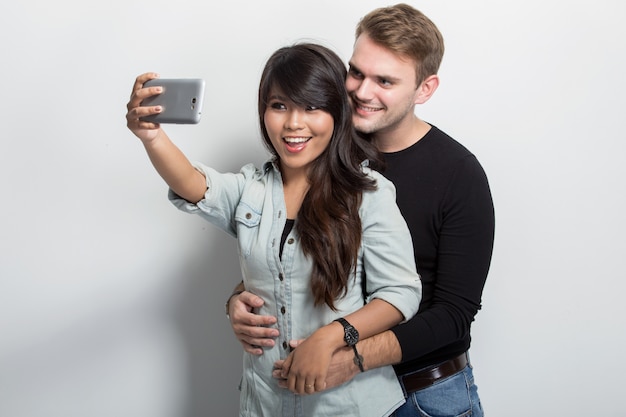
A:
[(382, 87)]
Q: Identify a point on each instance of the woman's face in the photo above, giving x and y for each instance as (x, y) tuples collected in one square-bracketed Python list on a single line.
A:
[(299, 134)]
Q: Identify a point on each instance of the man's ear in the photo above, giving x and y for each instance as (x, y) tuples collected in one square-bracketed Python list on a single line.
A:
[(426, 89)]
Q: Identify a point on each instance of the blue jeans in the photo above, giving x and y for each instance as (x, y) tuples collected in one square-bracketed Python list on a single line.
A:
[(455, 396)]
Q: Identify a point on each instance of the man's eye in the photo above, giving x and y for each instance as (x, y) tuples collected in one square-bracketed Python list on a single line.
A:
[(354, 73)]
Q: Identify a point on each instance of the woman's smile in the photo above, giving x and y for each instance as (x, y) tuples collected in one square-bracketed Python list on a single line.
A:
[(296, 143)]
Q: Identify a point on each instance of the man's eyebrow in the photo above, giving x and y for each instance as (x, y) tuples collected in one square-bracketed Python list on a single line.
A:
[(352, 67)]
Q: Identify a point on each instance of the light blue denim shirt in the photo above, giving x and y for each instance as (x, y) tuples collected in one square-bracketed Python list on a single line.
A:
[(250, 206)]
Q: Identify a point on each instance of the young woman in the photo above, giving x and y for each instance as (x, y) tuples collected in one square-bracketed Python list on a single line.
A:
[(320, 236)]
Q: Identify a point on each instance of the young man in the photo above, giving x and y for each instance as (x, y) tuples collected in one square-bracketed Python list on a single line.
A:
[(444, 195)]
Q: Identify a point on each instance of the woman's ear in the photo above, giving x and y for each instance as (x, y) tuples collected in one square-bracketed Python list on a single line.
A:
[(426, 89)]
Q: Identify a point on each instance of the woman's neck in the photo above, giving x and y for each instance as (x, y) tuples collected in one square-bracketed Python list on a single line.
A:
[(294, 191)]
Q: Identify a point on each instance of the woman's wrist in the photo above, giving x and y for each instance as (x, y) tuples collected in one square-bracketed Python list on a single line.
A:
[(331, 335)]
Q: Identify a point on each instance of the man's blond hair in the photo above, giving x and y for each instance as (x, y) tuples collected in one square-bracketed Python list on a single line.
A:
[(408, 33)]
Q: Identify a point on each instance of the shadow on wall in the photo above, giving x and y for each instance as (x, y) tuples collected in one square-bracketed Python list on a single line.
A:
[(213, 354)]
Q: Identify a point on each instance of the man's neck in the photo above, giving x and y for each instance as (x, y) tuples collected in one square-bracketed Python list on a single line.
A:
[(401, 136)]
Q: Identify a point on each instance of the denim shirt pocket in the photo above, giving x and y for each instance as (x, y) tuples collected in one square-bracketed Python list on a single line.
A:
[(247, 219)]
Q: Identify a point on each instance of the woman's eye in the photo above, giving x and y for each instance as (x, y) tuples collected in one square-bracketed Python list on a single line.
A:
[(277, 106), (312, 108)]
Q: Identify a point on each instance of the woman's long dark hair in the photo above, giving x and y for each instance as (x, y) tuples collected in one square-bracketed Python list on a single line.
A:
[(328, 220)]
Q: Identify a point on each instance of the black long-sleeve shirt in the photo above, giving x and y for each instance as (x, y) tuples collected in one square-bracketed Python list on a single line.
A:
[(444, 195)]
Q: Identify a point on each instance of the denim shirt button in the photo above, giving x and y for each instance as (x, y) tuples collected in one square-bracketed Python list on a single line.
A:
[(283, 310), (281, 277), (248, 216), (285, 345), (290, 241)]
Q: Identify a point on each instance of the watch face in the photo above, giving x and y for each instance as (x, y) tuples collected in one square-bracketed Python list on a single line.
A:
[(351, 336)]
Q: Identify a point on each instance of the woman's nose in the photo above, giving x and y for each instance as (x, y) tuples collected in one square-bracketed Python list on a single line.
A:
[(295, 120)]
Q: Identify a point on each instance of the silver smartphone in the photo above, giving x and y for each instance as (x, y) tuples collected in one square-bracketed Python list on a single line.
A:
[(181, 100)]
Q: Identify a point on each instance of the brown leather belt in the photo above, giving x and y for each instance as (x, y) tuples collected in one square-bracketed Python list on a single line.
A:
[(429, 376)]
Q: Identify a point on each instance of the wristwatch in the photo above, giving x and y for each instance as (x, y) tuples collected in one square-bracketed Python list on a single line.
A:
[(351, 337), (350, 334)]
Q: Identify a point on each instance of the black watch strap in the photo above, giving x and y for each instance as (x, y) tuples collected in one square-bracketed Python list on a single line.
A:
[(351, 337), (350, 333)]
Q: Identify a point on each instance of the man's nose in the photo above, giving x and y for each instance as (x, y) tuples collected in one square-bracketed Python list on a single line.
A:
[(364, 90)]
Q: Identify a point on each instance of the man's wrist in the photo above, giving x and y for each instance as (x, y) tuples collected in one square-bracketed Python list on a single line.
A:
[(380, 350), (227, 305), (358, 359)]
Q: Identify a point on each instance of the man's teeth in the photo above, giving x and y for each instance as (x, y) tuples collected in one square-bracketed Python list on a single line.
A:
[(368, 108)]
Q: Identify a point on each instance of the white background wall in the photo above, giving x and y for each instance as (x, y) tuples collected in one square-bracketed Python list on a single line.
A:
[(111, 301)]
